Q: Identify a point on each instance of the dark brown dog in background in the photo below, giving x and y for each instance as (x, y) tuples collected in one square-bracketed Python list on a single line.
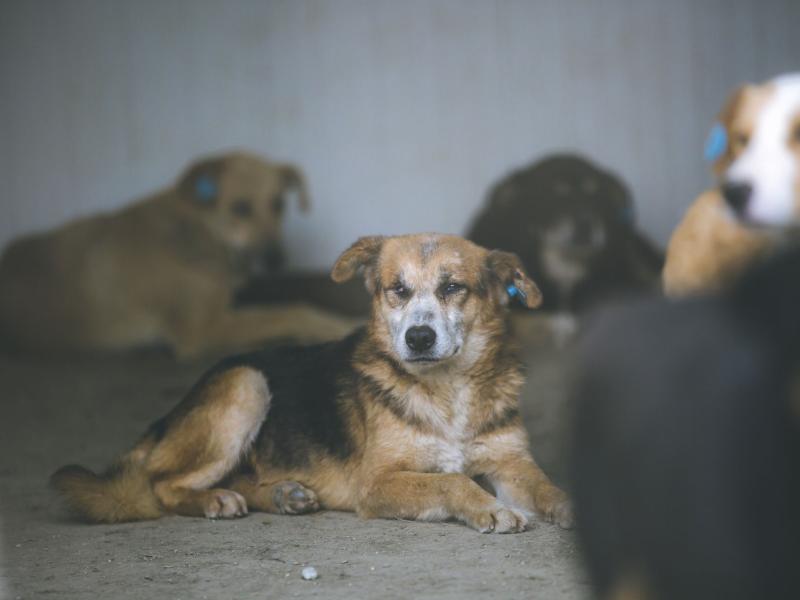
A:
[(163, 270), (572, 224)]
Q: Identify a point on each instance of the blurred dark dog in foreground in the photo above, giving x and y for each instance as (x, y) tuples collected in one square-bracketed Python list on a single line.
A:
[(572, 224), (686, 444), (163, 270)]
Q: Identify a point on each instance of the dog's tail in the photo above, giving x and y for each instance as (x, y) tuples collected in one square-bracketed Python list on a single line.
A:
[(123, 493)]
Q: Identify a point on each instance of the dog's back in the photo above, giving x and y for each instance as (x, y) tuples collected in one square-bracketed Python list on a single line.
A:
[(687, 444), (77, 287)]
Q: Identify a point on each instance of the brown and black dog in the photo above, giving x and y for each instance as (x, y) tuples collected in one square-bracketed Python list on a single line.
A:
[(394, 421)]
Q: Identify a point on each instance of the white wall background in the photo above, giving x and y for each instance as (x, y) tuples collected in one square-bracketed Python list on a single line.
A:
[(401, 112)]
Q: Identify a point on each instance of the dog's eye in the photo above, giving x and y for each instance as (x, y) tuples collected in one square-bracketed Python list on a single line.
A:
[(739, 141), (242, 208), (400, 290), (452, 288)]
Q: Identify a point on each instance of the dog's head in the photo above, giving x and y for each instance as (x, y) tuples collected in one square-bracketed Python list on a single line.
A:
[(756, 148), (241, 199), (562, 216), (437, 299)]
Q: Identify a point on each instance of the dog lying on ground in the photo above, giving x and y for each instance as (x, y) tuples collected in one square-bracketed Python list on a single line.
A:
[(756, 147), (393, 421), (686, 444), (163, 270), (571, 223)]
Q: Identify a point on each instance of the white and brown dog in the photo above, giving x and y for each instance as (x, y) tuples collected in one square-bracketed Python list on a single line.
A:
[(756, 149), (394, 421)]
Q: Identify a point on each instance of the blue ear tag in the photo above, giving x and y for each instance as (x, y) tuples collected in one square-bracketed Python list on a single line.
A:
[(514, 291), (717, 143), (205, 189)]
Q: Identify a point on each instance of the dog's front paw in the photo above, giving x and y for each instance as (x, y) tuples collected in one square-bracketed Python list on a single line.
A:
[(497, 519), (556, 508), (224, 504)]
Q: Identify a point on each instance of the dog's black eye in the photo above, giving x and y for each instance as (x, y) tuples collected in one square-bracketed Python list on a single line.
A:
[(452, 288), (242, 208)]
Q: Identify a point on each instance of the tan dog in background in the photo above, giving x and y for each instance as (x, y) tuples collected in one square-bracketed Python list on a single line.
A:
[(394, 421), (755, 209), (162, 270)]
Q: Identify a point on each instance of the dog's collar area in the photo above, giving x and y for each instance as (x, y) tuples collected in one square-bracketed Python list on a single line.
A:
[(717, 142)]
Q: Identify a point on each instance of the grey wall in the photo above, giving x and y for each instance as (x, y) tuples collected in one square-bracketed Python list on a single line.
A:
[(401, 113)]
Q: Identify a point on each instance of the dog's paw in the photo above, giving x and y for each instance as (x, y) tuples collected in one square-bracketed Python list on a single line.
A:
[(291, 498), (224, 504), (557, 509), (497, 519)]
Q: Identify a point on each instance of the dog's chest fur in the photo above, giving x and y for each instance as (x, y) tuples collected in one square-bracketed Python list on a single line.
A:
[(445, 442)]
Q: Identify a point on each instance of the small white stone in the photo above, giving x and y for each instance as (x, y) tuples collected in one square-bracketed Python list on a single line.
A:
[(309, 573)]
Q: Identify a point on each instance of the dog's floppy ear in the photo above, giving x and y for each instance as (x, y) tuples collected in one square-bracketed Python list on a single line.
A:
[(200, 182), (361, 257), (507, 276), (293, 180), (718, 145)]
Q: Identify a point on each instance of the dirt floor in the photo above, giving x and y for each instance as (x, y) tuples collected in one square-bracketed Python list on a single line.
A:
[(87, 410)]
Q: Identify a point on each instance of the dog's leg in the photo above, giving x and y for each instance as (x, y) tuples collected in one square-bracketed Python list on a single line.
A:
[(519, 482), (247, 327), (205, 443), (282, 497), (436, 497)]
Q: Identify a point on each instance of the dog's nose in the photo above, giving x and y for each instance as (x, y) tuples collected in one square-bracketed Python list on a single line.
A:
[(421, 338), (737, 195)]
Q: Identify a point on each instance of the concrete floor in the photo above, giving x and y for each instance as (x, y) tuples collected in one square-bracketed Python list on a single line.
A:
[(87, 410)]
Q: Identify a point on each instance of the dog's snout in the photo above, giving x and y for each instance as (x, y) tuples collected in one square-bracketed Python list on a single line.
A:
[(420, 338), (737, 195)]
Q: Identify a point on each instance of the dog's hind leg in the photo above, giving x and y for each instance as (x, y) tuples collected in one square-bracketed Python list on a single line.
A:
[(204, 443)]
